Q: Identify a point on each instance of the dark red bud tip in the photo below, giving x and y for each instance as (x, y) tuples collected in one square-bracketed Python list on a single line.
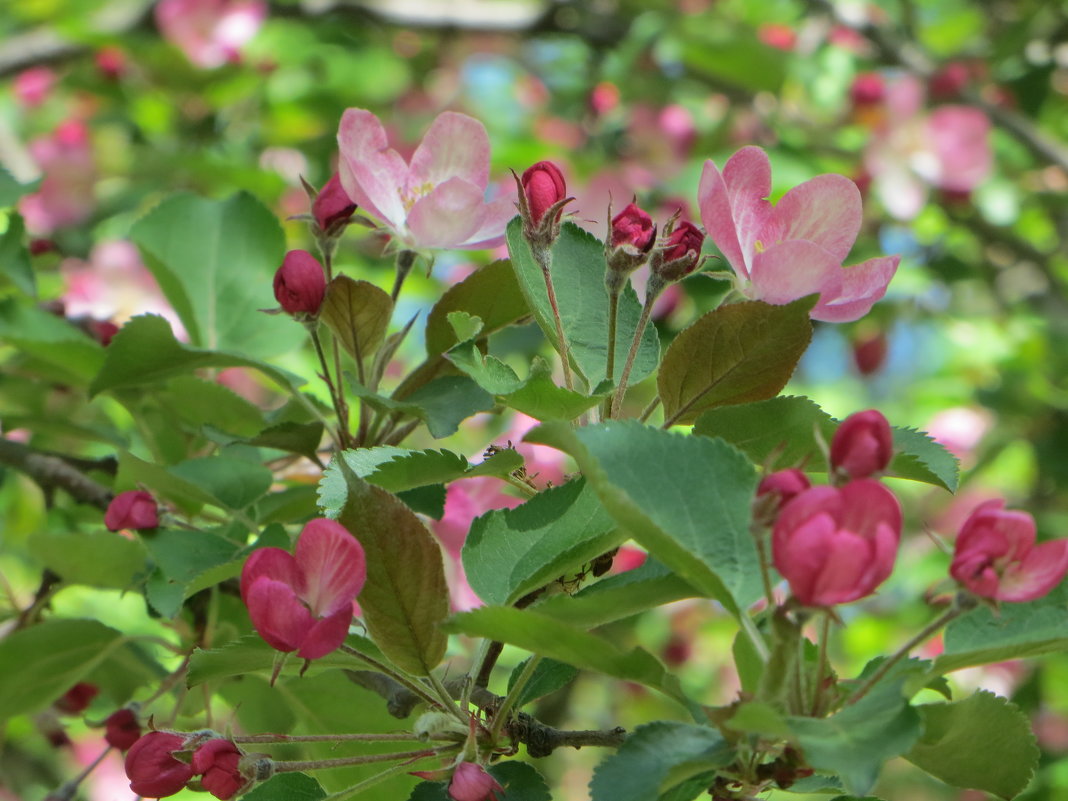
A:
[(122, 729), (543, 186), (868, 89), (133, 509), (863, 445), (77, 698), (869, 353), (633, 228), (299, 284), (332, 205)]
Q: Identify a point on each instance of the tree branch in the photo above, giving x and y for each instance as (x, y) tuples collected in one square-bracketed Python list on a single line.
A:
[(54, 472)]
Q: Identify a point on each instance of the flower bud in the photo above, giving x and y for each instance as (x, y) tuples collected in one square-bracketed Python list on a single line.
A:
[(543, 187), (869, 353), (332, 207), (299, 284), (775, 491), (996, 556), (77, 698), (630, 240), (868, 89), (219, 762), (151, 767), (679, 253), (121, 729), (862, 446), (471, 782), (134, 509)]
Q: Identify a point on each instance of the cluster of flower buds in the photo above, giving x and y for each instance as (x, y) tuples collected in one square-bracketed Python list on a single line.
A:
[(300, 285), (160, 764)]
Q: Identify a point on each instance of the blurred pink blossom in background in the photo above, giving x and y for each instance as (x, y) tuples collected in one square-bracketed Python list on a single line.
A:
[(210, 32), (66, 195), (33, 86)]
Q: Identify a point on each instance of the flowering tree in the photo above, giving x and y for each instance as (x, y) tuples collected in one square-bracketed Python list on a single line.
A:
[(259, 564)]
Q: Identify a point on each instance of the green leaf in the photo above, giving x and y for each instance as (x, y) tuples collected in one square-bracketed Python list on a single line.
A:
[(181, 556), (521, 782), (11, 190), (982, 743), (465, 326), (490, 293), (405, 596), (250, 654), (233, 483), (14, 258), (95, 559), (1015, 631), (578, 278), (51, 339), (549, 676), (757, 717), (685, 499), (656, 757), (733, 54), (540, 397), (489, 372), (510, 552), (734, 354), (134, 472), (543, 635), (428, 500), (286, 787), (358, 313), (40, 663), (442, 403), (301, 438), (781, 432), (199, 402), (145, 352), (855, 742), (206, 254), (617, 597)]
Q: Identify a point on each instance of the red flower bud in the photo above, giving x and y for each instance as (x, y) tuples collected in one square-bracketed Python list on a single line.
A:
[(219, 761), (299, 284), (868, 89), (950, 81), (543, 186), (332, 206), (77, 698), (869, 353), (863, 445), (680, 253), (774, 491), (996, 556), (152, 770), (134, 509), (121, 729), (633, 228), (471, 782)]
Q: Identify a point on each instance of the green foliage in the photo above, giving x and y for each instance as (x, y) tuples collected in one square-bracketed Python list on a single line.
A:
[(548, 677), (491, 294), (442, 403), (94, 558), (287, 787), (51, 339), (15, 264), (358, 313), (251, 655)]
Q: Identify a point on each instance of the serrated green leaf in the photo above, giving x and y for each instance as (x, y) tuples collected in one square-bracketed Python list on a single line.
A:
[(510, 552), (428, 500), (95, 559), (521, 782), (358, 313), (145, 352), (465, 326), (490, 293), (51, 339), (549, 676), (205, 254), (489, 372), (392, 468), (301, 438), (233, 483), (982, 743), (578, 279), (685, 499), (540, 397), (735, 354), (287, 787), (442, 403), (14, 257), (547, 637), (405, 596), (656, 757), (920, 458), (40, 663)]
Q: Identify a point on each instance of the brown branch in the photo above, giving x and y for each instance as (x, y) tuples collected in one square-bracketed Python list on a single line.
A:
[(54, 472)]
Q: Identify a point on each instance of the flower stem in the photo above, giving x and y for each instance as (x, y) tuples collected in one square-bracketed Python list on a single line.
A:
[(821, 663), (759, 534), (325, 738), (500, 716), (371, 781), (544, 257), (405, 260), (610, 363), (335, 396), (632, 354), (647, 412), (362, 759), (414, 686)]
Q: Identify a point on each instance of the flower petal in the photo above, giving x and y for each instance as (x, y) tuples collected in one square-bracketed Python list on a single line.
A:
[(278, 615), (272, 563), (960, 139), (793, 269), (455, 146), (733, 204), (372, 174), (1041, 571), (862, 285), (495, 220), (825, 210), (333, 564), (843, 577), (326, 635), (449, 215)]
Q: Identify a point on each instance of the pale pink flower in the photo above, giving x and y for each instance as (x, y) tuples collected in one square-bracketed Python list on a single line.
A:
[(996, 556), (33, 86), (438, 199), (210, 32), (66, 195), (947, 148), (795, 248)]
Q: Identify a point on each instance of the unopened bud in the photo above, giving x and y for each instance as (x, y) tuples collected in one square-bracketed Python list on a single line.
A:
[(332, 207), (134, 509), (680, 252), (299, 284), (863, 445), (543, 187)]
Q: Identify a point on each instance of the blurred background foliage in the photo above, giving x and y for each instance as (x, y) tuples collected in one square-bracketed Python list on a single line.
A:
[(630, 96)]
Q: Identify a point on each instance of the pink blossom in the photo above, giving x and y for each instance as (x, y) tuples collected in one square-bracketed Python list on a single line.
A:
[(948, 148), (66, 195), (544, 186), (837, 544), (471, 782), (134, 509), (33, 86), (300, 284), (210, 32), (784, 252), (219, 761), (151, 767), (437, 200), (996, 556), (304, 604), (862, 445)]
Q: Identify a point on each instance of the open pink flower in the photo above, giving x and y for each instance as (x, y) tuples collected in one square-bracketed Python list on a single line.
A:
[(437, 200), (304, 604), (66, 195), (996, 556), (210, 32), (781, 253), (837, 544)]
